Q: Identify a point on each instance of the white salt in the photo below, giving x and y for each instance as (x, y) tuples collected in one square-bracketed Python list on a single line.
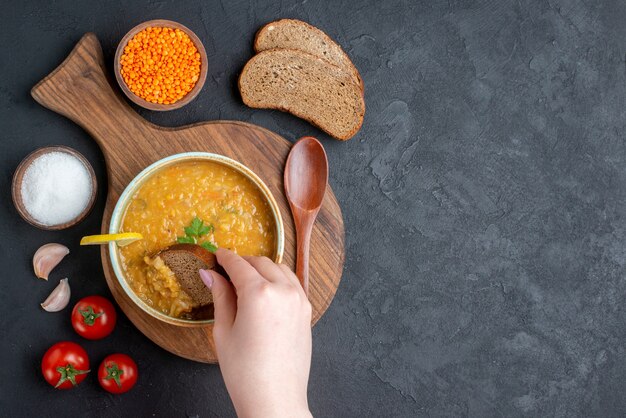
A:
[(56, 188)]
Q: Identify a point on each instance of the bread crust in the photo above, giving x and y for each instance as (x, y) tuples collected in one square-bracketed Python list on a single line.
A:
[(196, 250), (247, 102), (203, 295), (348, 62)]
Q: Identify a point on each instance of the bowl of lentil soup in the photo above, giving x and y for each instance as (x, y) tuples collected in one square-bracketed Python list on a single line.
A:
[(161, 65), (160, 203)]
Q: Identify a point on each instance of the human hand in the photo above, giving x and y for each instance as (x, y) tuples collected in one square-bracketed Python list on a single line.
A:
[(262, 335)]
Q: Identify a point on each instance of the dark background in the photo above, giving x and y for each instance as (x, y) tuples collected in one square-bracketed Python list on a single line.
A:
[(484, 203)]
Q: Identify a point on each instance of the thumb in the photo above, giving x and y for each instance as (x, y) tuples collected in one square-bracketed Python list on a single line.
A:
[(224, 298)]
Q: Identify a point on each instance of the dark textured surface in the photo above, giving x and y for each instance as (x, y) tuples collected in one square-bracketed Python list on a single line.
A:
[(483, 200)]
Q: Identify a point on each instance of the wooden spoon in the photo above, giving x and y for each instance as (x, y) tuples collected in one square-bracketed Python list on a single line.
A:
[(306, 178)]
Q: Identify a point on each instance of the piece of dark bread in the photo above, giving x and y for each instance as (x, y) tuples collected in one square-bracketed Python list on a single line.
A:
[(185, 260), (305, 86), (296, 34)]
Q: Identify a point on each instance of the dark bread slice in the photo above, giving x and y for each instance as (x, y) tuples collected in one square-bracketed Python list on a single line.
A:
[(305, 86), (185, 260), (296, 34)]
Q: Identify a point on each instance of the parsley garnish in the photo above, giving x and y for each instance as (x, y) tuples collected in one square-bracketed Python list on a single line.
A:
[(209, 246), (195, 230), (198, 228), (186, 240)]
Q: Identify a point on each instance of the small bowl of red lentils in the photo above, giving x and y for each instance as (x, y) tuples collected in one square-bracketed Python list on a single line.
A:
[(161, 65)]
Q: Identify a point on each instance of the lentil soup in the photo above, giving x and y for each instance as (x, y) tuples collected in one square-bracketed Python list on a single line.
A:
[(164, 205)]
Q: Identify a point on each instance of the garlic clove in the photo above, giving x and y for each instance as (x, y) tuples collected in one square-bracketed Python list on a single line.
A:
[(48, 257), (59, 298)]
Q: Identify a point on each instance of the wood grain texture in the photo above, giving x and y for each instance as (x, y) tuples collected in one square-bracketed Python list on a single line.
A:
[(80, 90)]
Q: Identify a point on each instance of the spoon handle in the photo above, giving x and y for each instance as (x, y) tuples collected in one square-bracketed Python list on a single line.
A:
[(303, 239)]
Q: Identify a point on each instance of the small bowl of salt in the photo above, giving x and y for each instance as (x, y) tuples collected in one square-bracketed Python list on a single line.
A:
[(54, 188)]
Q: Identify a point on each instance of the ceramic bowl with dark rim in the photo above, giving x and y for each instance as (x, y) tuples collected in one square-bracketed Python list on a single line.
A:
[(161, 23), (126, 197), (18, 177)]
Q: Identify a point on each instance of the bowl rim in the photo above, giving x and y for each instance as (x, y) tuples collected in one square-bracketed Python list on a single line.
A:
[(159, 107), (18, 177), (139, 180)]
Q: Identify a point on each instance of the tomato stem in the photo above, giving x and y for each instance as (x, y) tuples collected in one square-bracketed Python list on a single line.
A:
[(114, 372), (68, 372), (89, 316)]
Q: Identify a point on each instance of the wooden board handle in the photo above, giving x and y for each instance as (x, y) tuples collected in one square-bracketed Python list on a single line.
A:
[(80, 90)]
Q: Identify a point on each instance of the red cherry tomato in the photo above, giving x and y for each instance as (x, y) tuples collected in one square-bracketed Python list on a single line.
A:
[(117, 373), (94, 317), (65, 365)]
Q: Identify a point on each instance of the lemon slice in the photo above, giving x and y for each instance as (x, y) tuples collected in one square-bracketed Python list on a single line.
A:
[(122, 240)]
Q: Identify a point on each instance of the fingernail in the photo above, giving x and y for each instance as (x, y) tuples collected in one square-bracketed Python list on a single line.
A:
[(207, 278)]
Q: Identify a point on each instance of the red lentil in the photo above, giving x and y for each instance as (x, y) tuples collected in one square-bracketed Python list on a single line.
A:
[(160, 65)]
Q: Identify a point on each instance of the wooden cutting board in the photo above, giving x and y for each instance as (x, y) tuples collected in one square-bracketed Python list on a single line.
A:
[(80, 90)]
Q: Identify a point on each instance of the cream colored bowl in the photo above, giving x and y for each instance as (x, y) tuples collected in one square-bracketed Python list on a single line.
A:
[(137, 182)]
